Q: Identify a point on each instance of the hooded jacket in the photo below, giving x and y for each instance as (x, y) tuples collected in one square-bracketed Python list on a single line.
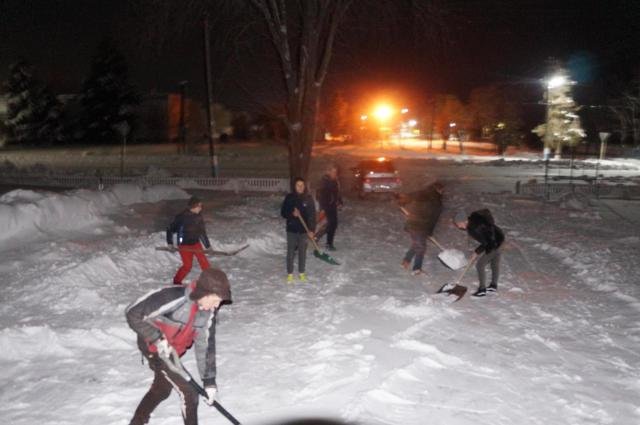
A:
[(482, 228), (424, 208), (328, 193), (304, 203), (190, 229), (170, 313)]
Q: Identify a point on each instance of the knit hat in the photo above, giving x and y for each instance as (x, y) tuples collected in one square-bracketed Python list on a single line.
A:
[(460, 217), (212, 281)]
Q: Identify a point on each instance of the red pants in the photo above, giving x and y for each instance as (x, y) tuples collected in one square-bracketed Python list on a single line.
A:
[(186, 253)]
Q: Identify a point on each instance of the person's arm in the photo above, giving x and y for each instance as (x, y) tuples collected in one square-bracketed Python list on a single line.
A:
[(287, 207), (142, 312), (203, 233), (310, 217), (171, 229), (205, 350)]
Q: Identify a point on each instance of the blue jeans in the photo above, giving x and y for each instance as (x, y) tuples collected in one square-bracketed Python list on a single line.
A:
[(417, 250)]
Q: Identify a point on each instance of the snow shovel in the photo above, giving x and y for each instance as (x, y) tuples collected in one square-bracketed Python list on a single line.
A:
[(455, 288), (173, 362), (316, 252), (204, 251), (452, 258)]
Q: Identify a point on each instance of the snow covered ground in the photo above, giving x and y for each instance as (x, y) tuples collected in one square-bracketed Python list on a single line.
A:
[(364, 341)]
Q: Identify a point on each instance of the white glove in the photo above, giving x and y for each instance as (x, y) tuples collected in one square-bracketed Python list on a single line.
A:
[(212, 393), (164, 349)]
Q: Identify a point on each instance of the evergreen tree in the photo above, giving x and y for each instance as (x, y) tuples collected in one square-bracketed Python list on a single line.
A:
[(33, 116), (563, 126), (107, 97)]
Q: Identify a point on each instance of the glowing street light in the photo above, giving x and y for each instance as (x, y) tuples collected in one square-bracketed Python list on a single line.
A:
[(383, 112), (412, 123), (404, 110), (363, 117), (557, 81)]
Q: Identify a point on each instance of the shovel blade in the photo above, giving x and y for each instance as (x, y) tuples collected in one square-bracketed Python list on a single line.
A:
[(453, 289), (325, 257)]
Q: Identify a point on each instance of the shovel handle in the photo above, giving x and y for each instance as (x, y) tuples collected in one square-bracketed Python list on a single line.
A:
[(473, 260), (436, 243), (306, 228)]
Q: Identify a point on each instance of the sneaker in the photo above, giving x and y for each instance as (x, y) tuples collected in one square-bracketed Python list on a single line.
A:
[(405, 264), (303, 277), (481, 292), (417, 272), (492, 288), (330, 247), (290, 278)]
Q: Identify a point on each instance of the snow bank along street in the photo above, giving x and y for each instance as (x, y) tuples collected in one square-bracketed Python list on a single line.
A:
[(364, 341)]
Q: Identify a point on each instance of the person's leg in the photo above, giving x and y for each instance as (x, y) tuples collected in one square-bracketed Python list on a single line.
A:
[(187, 260), (495, 269), (302, 252), (332, 224), (188, 396), (420, 246), (291, 250), (202, 258), (481, 264), (159, 391)]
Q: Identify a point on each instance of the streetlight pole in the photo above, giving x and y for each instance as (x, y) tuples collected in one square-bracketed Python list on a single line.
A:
[(207, 76)]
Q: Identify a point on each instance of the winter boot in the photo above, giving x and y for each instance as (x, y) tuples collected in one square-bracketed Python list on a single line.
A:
[(290, 278), (303, 277), (330, 247), (492, 288), (481, 292)]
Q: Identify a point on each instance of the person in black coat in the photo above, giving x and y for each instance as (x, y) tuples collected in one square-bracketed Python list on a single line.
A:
[(191, 236), (298, 204), (480, 226), (422, 209), (330, 199)]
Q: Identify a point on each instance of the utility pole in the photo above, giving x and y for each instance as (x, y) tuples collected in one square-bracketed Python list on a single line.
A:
[(209, 85), (182, 128)]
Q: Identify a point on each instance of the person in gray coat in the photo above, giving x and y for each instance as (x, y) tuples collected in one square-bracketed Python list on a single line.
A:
[(168, 322)]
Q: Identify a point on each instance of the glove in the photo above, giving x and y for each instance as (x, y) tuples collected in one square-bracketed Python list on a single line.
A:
[(212, 394), (164, 349)]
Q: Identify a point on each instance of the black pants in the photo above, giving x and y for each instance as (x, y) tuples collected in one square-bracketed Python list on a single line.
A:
[(492, 258), (332, 223), (164, 380)]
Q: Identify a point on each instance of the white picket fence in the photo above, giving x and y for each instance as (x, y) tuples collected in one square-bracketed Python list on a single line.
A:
[(558, 190), (235, 184)]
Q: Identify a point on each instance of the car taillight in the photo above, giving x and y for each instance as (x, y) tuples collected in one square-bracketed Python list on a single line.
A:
[(398, 180), (367, 180)]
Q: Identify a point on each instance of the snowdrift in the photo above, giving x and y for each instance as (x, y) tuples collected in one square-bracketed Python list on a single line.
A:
[(26, 214)]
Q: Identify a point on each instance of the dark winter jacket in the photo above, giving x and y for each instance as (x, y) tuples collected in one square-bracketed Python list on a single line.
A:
[(482, 228), (304, 203), (424, 207), (328, 193), (190, 229), (169, 313)]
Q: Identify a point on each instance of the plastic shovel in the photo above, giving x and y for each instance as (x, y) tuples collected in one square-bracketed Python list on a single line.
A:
[(316, 252), (452, 258)]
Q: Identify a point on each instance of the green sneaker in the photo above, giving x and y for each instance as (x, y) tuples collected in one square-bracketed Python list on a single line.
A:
[(289, 278), (303, 277)]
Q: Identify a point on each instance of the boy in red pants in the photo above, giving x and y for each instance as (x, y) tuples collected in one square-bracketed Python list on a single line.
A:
[(192, 235)]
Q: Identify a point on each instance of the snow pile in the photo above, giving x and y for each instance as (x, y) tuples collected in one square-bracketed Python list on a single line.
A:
[(25, 214), (453, 258)]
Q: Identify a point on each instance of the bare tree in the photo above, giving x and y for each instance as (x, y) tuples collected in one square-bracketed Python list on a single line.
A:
[(626, 109), (303, 34)]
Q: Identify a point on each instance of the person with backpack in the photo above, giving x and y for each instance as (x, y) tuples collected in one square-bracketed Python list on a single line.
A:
[(168, 322), (298, 205), (191, 236), (480, 226)]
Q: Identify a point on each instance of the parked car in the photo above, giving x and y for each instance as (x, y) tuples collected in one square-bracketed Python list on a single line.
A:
[(376, 176)]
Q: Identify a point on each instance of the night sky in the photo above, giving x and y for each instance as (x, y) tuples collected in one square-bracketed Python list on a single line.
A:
[(494, 41)]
